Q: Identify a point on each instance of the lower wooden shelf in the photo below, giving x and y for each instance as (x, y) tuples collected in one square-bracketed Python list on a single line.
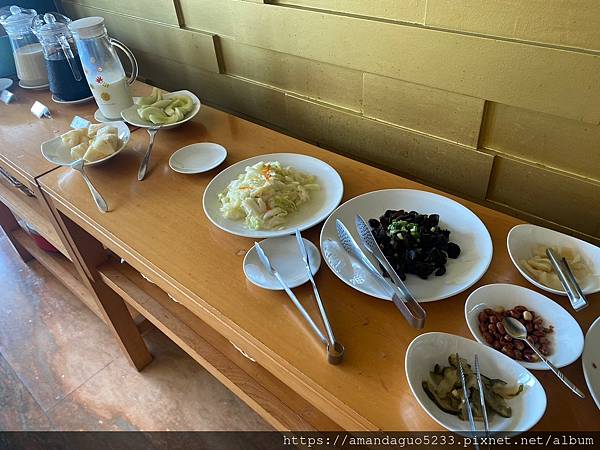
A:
[(283, 408), (63, 269)]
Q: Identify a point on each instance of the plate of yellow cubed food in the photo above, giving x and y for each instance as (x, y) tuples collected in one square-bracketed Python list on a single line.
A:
[(94, 144)]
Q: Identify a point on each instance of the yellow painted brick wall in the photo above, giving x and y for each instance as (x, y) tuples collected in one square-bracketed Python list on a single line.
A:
[(496, 100)]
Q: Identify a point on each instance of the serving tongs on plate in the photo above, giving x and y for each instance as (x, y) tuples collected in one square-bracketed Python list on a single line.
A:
[(402, 297), (467, 400), (568, 281), (335, 350)]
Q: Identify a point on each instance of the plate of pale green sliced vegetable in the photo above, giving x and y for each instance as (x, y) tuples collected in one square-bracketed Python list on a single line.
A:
[(165, 110), (514, 399)]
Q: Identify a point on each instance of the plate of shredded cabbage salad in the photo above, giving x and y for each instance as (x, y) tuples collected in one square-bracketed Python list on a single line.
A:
[(272, 195)]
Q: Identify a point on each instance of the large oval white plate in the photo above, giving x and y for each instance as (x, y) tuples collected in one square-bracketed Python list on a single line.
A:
[(567, 338), (322, 202), (591, 358), (131, 116), (522, 239), (466, 230), (57, 153), (430, 348)]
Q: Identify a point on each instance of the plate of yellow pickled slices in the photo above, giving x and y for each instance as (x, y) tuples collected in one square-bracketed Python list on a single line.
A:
[(159, 109)]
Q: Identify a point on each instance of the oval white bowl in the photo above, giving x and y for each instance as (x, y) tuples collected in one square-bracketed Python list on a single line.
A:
[(429, 349), (591, 358), (567, 338), (130, 115), (57, 153), (522, 239)]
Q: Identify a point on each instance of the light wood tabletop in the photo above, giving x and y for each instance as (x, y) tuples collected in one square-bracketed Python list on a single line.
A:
[(158, 226)]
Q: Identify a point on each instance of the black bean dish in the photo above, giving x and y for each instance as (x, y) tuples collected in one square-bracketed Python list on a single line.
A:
[(414, 243)]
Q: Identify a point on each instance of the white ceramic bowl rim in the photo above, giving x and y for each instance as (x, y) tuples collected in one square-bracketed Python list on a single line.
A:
[(567, 339), (519, 249), (124, 137)]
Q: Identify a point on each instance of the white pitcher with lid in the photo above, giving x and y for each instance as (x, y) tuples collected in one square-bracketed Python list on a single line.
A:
[(102, 67)]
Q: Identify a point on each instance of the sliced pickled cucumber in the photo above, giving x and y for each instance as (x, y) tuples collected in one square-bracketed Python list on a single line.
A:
[(152, 98), (164, 111)]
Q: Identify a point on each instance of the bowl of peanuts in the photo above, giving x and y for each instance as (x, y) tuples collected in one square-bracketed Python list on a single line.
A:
[(550, 328)]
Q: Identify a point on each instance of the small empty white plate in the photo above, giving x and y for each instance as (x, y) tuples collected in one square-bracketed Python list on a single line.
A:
[(197, 158), (285, 257), (103, 119), (5, 83)]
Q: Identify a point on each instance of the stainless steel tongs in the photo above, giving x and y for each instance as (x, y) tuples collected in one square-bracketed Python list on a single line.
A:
[(402, 298), (335, 350), (568, 281)]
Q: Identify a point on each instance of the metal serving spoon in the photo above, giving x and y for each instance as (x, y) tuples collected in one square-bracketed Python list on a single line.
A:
[(144, 165), (517, 330), (100, 203)]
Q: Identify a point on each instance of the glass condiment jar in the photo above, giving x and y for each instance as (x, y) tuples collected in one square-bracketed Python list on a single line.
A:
[(102, 67), (27, 51), (65, 73)]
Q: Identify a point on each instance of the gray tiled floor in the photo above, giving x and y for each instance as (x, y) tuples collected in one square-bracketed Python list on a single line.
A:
[(61, 369)]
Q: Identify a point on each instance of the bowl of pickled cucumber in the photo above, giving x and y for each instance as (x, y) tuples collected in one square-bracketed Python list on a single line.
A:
[(165, 110)]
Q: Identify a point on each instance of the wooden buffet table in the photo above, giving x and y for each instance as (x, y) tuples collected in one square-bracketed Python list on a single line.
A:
[(185, 276)]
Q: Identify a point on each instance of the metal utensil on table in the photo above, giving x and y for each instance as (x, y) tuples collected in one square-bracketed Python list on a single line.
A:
[(352, 248), (486, 424), (465, 389), (100, 202), (517, 330), (144, 164), (568, 281), (335, 350), (405, 302), (267, 264)]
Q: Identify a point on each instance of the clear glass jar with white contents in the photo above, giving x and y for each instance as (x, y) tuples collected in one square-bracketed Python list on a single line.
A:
[(27, 51), (102, 67)]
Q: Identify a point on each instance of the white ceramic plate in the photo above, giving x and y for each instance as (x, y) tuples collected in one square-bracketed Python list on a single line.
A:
[(131, 116), (99, 117), (55, 99), (322, 202), (197, 158), (5, 83), (567, 338), (57, 153), (591, 358), (285, 257), (430, 348), (466, 230), (522, 240)]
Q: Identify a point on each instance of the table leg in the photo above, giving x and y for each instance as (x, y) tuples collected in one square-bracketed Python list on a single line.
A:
[(87, 254), (9, 223)]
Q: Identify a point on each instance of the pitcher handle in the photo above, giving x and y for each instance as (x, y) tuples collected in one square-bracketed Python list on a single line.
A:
[(130, 55)]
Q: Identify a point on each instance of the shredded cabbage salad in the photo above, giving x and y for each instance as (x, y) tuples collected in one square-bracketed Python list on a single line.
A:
[(265, 194)]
